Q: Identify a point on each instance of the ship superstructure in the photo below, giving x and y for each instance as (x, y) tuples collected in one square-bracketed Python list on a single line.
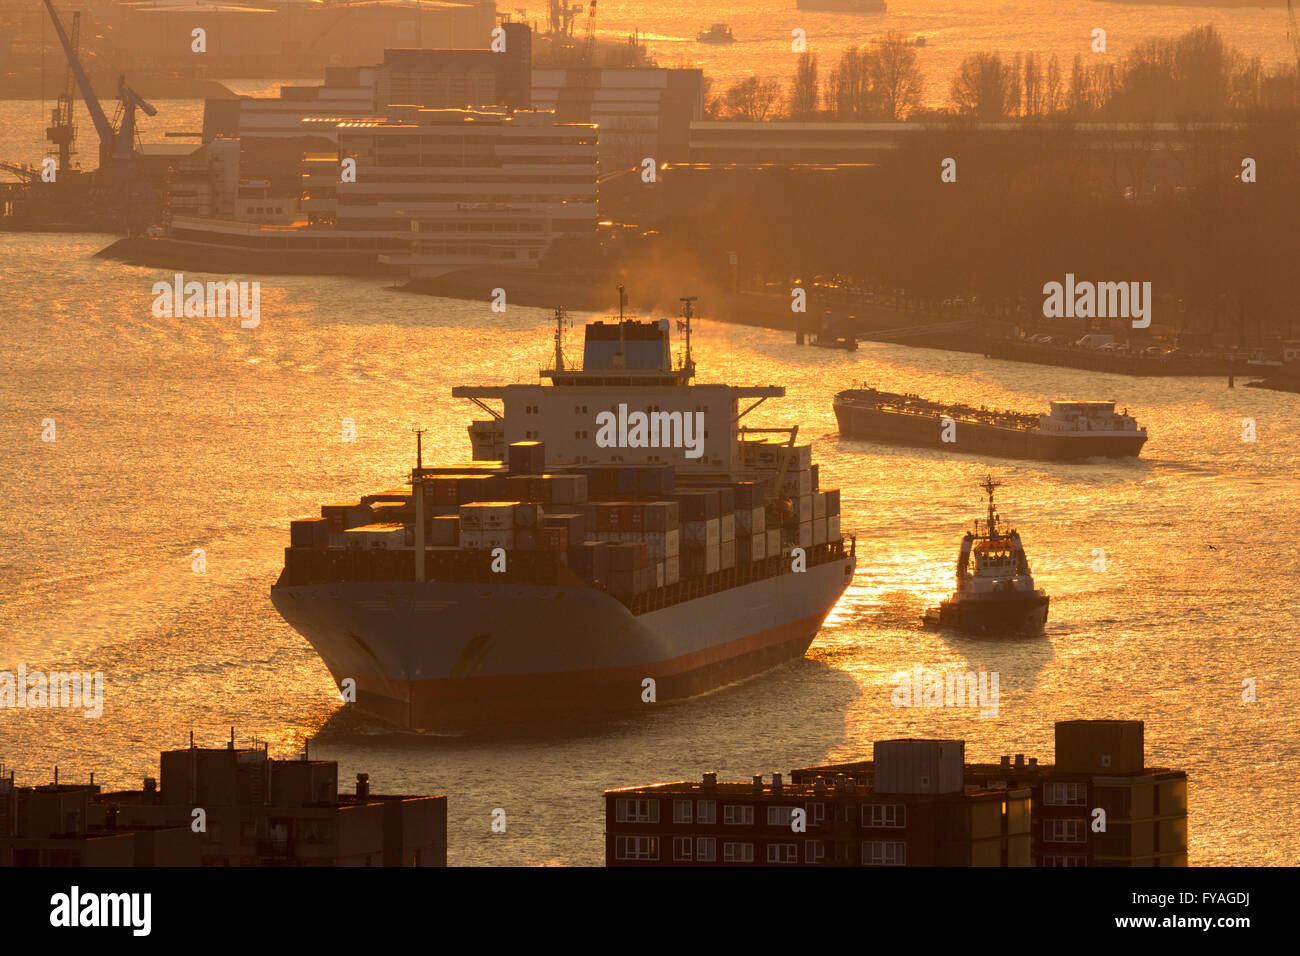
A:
[(620, 538)]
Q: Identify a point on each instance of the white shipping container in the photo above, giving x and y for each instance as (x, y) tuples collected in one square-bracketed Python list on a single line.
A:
[(751, 521), (797, 483), (499, 538), (832, 527), (728, 555), (773, 542), (707, 533), (803, 508), (758, 547), (672, 570), (800, 456), (727, 527), (819, 530), (480, 515), (659, 574), (388, 536), (661, 544), (471, 538), (819, 506), (806, 534)]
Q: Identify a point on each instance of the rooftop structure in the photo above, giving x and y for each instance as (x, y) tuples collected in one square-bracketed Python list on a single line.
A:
[(1100, 765), (256, 811), (917, 814)]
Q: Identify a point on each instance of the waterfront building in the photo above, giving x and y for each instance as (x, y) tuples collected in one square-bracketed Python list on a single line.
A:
[(1100, 766), (256, 811), (641, 111), (917, 813)]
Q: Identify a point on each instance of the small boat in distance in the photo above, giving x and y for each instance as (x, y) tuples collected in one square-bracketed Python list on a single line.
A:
[(1071, 431), (717, 33), (995, 589)]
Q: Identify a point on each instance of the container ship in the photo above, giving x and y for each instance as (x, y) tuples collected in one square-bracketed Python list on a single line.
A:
[(618, 538), (1069, 431)]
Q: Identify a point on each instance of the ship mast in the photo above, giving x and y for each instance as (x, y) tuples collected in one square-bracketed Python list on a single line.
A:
[(988, 485), (686, 311), (619, 359), (559, 338)]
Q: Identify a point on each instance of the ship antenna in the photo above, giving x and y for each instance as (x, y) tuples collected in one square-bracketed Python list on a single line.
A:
[(559, 338), (686, 311), (988, 485), (419, 449)]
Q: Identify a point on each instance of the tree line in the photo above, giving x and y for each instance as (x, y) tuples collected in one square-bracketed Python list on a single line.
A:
[(1194, 76)]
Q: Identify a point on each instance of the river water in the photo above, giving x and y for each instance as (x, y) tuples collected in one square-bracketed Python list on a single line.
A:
[(179, 434)]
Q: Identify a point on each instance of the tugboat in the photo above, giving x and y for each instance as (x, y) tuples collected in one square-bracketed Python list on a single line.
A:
[(717, 33), (995, 589)]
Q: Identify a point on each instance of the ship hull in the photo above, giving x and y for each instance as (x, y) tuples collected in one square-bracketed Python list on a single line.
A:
[(973, 438), (996, 614), (440, 655)]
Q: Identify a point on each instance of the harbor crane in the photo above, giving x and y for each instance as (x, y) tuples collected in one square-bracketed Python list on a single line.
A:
[(117, 147), (62, 131)]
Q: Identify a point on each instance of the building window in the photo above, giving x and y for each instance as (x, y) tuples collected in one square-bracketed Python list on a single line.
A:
[(681, 811), (706, 811), (682, 847), (738, 813), (884, 815), (737, 853), (779, 816), (814, 851), (636, 848), (629, 810), (1064, 794), (782, 853), (1063, 831), (881, 853), (706, 849)]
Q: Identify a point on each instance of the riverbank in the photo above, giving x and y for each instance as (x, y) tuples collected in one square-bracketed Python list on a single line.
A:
[(596, 290), (163, 253)]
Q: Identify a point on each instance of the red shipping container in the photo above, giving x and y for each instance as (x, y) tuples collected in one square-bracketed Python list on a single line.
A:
[(631, 517), (608, 517), (553, 539)]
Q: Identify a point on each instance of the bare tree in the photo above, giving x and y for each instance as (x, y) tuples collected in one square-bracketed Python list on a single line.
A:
[(849, 92), (805, 93), (985, 87), (1052, 91), (752, 99), (896, 79)]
